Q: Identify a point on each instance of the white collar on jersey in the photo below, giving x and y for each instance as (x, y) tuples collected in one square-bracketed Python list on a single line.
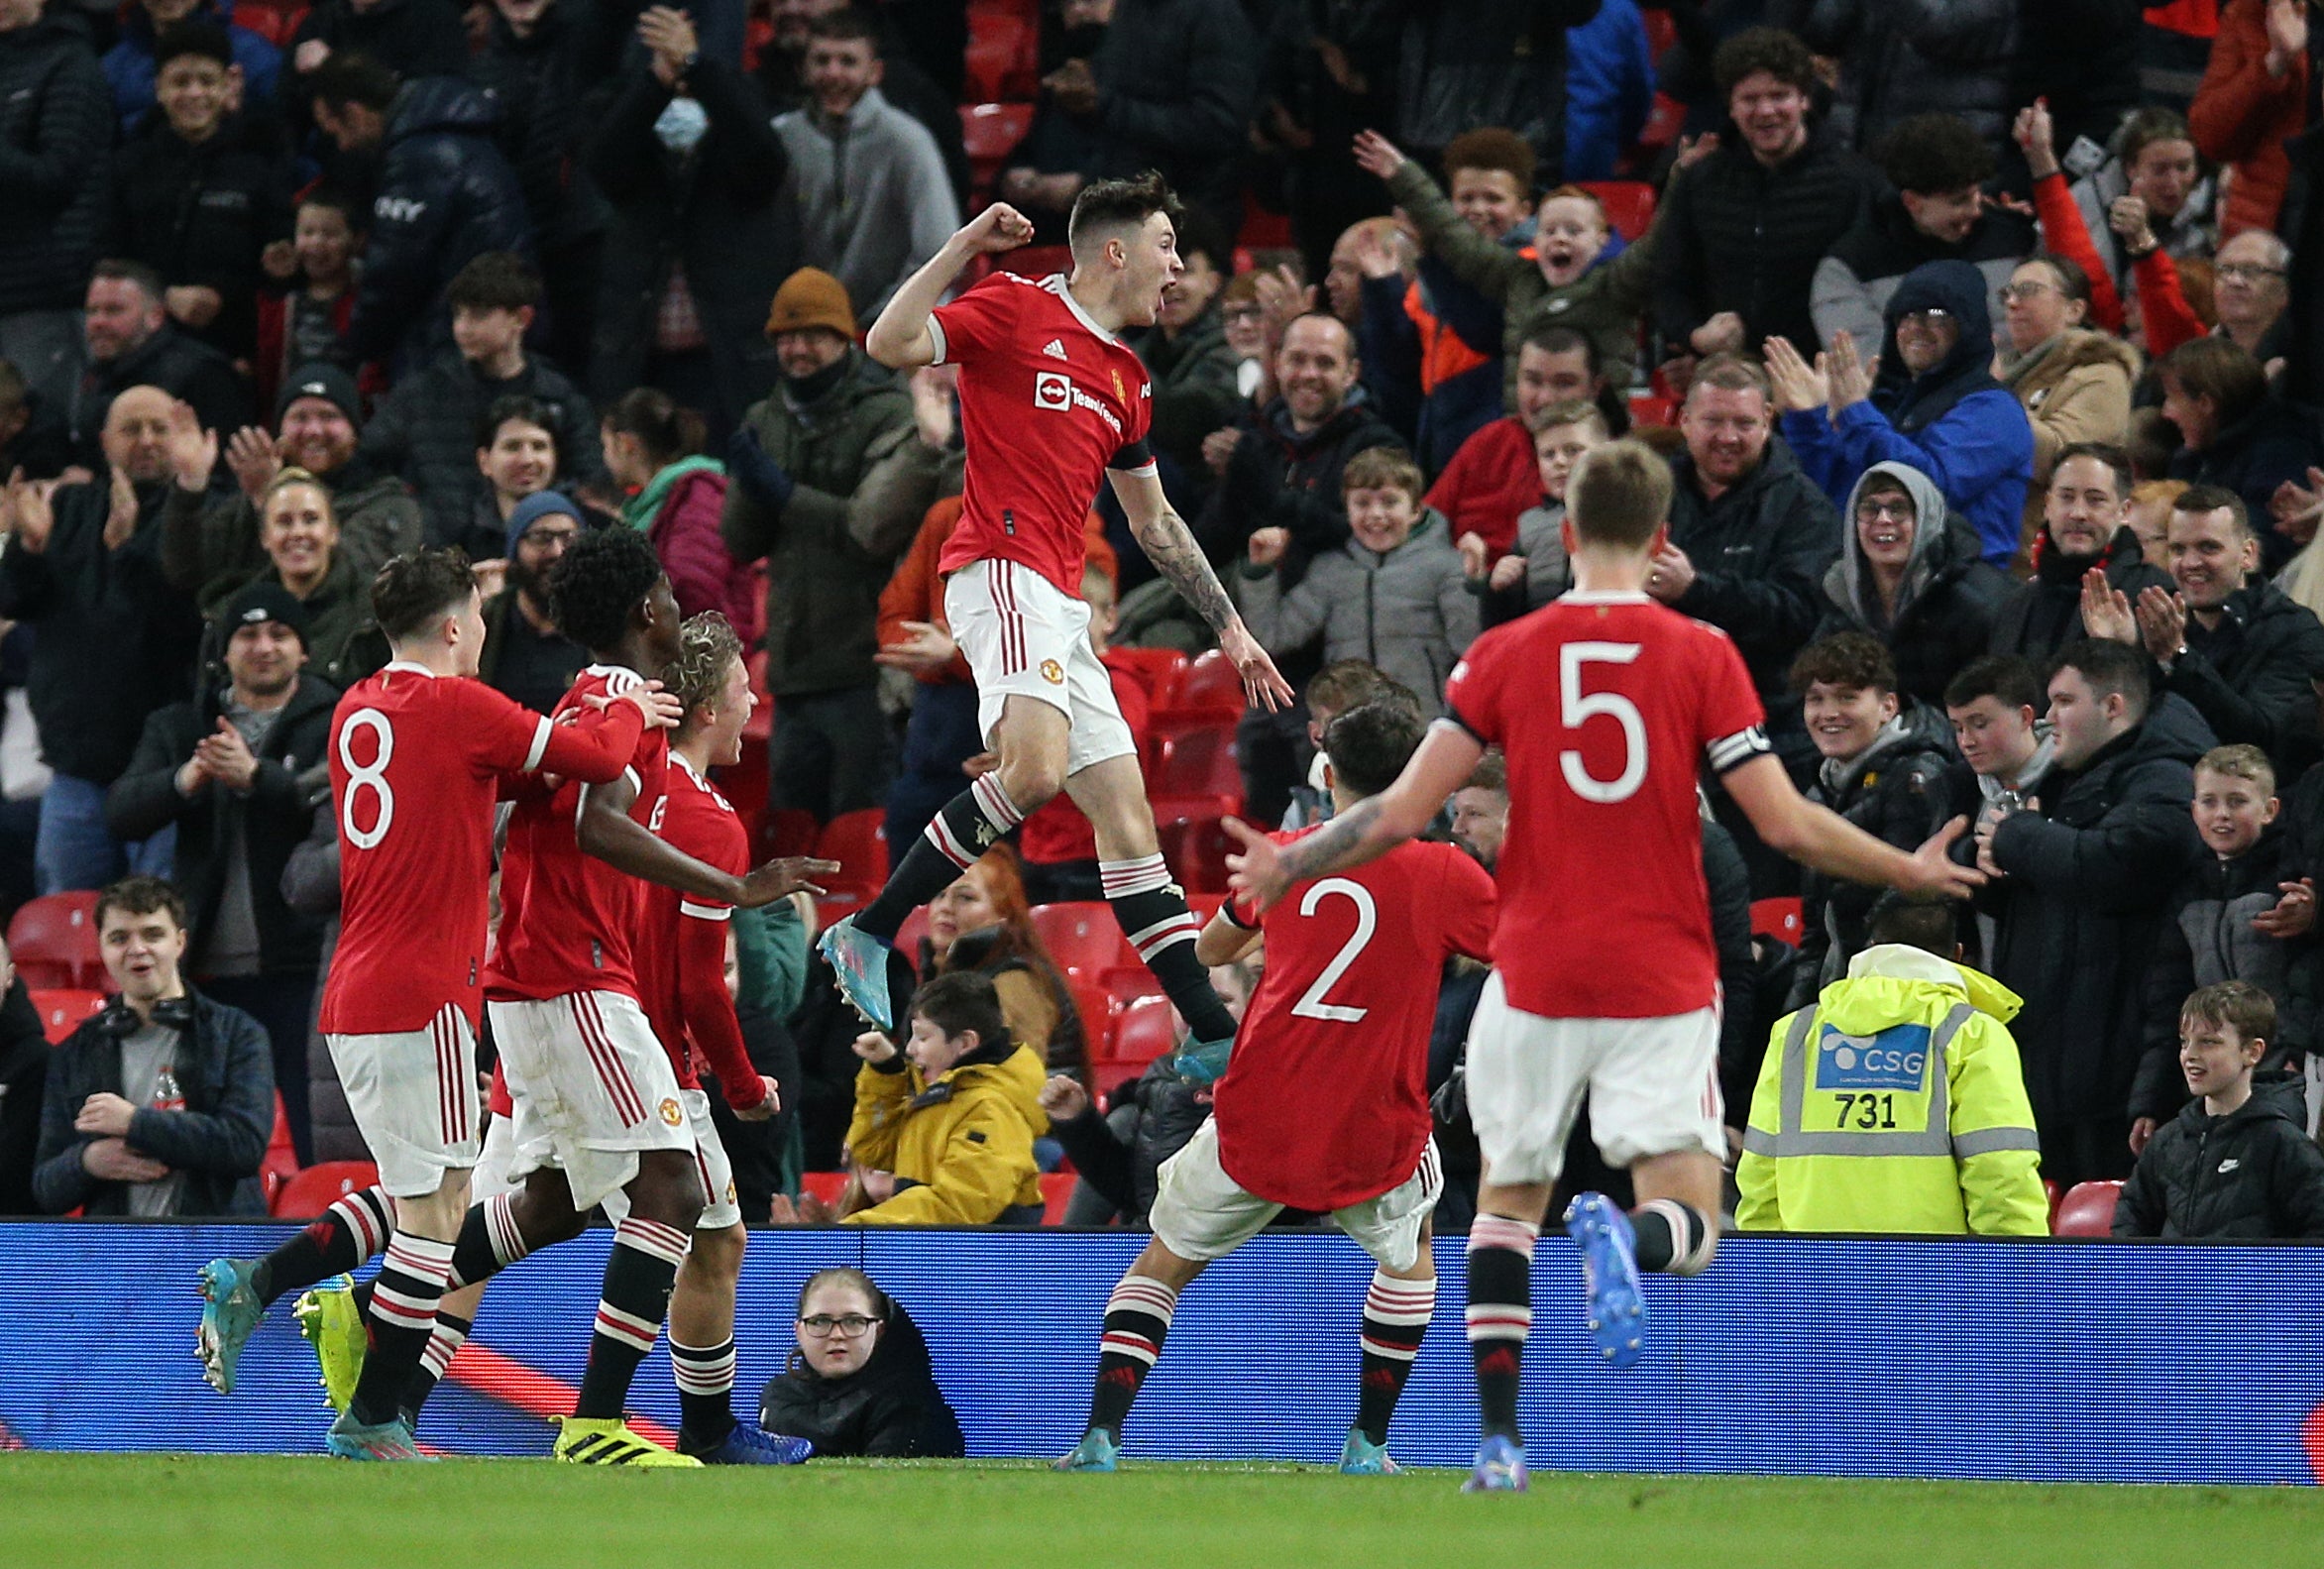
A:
[(1056, 284), (679, 760), (411, 665), (1607, 597)]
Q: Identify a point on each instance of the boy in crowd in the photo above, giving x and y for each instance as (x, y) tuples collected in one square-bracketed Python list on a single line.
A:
[(2235, 1163), (1538, 570), (1395, 594), (1337, 687)]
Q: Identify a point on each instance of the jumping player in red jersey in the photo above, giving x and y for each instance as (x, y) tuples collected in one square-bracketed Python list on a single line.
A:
[(1049, 400), (418, 753), (1606, 704), (1324, 1105)]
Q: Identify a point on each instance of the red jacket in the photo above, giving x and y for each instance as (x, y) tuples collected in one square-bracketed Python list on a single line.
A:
[(2240, 116), (1490, 480)]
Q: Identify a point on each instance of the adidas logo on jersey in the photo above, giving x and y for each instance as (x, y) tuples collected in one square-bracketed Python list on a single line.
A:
[(1055, 348)]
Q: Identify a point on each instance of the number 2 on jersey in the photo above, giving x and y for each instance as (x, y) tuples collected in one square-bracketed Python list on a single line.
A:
[(1312, 1005), (373, 775), (1576, 708)]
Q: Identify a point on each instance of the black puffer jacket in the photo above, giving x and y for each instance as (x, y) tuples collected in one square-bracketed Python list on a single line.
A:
[(1120, 1153), (1178, 81), (1946, 605), (2276, 442), (2253, 1173), (1901, 57), (182, 366), (1739, 236), (425, 432), (446, 196), (411, 37), (201, 214), (55, 123), (269, 821), (2248, 675), (112, 640), (2207, 938), (1489, 63), (892, 1407), (2079, 911), (2043, 614), (1280, 478), (538, 82)]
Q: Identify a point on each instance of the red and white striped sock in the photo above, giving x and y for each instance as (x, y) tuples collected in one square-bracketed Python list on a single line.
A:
[(1396, 1312), (1137, 1321), (490, 1241), (1154, 916), (401, 1319), (354, 1228), (638, 1279)]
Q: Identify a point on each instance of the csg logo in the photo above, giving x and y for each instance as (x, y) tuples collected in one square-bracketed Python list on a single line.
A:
[(1895, 1059), (1052, 389)]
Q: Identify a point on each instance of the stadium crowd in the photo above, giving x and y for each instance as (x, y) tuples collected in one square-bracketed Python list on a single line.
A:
[(1984, 340)]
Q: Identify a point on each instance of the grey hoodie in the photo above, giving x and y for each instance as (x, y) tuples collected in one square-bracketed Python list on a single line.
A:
[(874, 201), (1850, 583)]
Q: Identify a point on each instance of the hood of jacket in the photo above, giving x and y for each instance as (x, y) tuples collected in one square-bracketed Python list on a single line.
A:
[(1888, 977), (2268, 1103), (1958, 289), (2051, 360), (441, 103), (1938, 540), (1917, 728)]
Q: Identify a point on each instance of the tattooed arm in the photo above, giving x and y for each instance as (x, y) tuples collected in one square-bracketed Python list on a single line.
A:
[(1169, 544), (1366, 830)]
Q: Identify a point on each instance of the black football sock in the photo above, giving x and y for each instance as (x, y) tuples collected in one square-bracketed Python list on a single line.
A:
[(706, 1392), (1396, 1315), (638, 1280), (444, 1343), (1500, 1315), (400, 1317), (1673, 1238), (1137, 1319), (972, 822), (1154, 917), (354, 1228)]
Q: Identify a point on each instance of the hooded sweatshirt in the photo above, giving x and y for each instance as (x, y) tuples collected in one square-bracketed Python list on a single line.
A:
[(1953, 422), (1946, 604)]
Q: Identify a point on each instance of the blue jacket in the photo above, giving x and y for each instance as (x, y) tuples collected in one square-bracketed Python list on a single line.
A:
[(1610, 89), (1953, 422), (129, 64), (446, 195)]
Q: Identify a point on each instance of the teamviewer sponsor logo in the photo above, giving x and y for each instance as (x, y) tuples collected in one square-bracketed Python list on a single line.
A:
[(1052, 389), (1895, 1059)]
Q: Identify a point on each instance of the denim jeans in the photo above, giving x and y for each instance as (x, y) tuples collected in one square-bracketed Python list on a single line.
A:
[(74, 850)]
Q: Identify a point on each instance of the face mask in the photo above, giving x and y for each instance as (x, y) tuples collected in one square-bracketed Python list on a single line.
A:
[(682, 125)]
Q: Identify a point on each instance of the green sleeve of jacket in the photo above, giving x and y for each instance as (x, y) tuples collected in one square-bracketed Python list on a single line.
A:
[(772, 945), (987, 1156), (1759, 1207), (2001, 1187), (1483, 265)]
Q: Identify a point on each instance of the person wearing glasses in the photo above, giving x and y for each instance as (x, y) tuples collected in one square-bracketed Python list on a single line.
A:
[(860, 1381), (2073, 382)]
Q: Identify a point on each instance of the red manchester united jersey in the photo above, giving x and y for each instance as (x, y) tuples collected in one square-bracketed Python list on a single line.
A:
[(1325, 1098), (1048, 401), (417, 761), (566, 919), (682, 940), (1607, 706)]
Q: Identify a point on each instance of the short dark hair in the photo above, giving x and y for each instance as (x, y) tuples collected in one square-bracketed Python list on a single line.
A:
[(2210, 498), (1385, 468), (339, 200), (2105, 452), (848, 25), (1853, 660), (2221, 370), (2110, 668), (495, 281), (120, 270), (1934, 154), (1201, 235), (1620, 493), (1763, 48), (140, 895), (1560, 339), (2237, 1004), (961, 1001), (517, 406), (1121, 203), (410, 592), (1928, 925), (597, 585), (350, 77), (194, 34), (2005, 678), (1369, 745), (1491, 148)]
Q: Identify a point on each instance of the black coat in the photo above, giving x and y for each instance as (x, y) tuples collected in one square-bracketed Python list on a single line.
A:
[(2248, 675), (270, 820), (56, 124), (201, 214), (2253, 1173), (2043, 614), (2089, 878), (1739, 236), (425, 432), (225, 1070), (178, 364), (1280, 478), (411, 37), (720, 211), (1937, 629), (1119, 1154), (23, 1077), (539, 85), (892, 1407), (1489, 63), (446, 195), (113, 642), (2276, 442), (1903, 58)]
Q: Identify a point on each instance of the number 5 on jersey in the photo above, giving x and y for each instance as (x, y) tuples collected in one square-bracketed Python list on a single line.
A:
[(1576, 708)]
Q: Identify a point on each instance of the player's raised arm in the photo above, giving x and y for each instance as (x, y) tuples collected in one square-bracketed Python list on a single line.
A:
[(901, 337), (1814, 835), (1169, 544), (1369, 829)]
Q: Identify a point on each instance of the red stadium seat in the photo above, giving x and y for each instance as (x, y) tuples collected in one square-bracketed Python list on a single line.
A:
[(2088, 1211), (1777, 918), (53, 941), (1663, 122), (1096, 1007), (1036, 261), (1197, 764), (276, 24), (281, 1160), (839, 900), (1003, 58), (63, 1011), (1264, 230), (1057, 1190), (2057, 1196), (1628, 205), (1145, 1030), (1082, 938), (1208, 689), (858, 842), (910, 934), (1160, 668), (826, 1185), (1196, 848), (991, 131), (1646, 408), (787, 830), (309, 1192)]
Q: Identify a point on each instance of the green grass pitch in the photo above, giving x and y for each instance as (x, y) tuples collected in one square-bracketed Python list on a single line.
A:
[(195, 1512)]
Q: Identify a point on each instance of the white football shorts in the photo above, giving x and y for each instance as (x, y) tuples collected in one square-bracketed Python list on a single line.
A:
[(1024, 637), (1199, 1211), (591, 1088), (413, 1095)]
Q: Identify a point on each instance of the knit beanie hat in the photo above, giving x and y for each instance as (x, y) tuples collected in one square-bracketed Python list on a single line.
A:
[(538, 506), (811, 297)]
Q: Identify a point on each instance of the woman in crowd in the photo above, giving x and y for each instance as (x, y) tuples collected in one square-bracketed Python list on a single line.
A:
[(983, 923), (653, 448), (860, 1381), (2075, 383), (300, 532)]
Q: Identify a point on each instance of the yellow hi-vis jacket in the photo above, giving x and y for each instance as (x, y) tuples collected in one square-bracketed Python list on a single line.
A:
[(1896, 1104)]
